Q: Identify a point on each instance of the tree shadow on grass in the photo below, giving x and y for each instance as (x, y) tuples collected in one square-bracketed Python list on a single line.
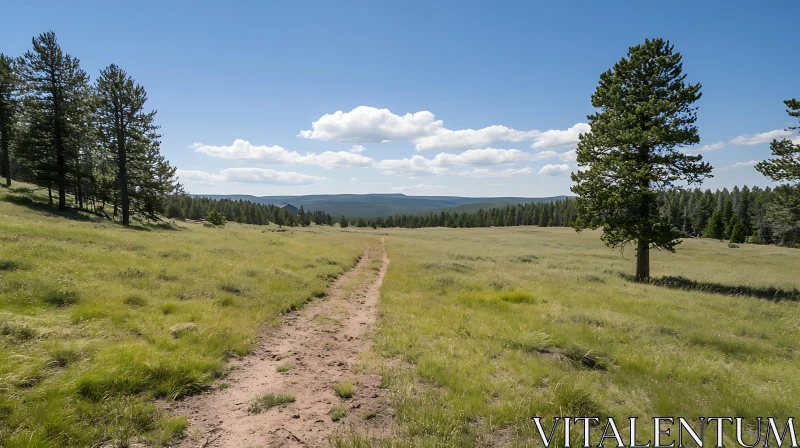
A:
[(46, 209), (764, 292)]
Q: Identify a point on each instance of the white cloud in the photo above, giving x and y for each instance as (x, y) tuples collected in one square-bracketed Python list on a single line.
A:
[(744, 164), (246, 151), (708, 148), (419, 187), (357, 149), (471, 138), (197, 177), (414, 166), (353, 179), (417, 166), (486, 173), (247, 175), (764, 137), (555, 170), (560, 139), (484, 157), (366, 124)]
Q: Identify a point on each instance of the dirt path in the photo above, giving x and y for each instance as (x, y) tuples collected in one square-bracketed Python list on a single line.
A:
[(322, 342)]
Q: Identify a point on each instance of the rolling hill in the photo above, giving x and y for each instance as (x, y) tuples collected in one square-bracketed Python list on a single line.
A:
[(373, 205)]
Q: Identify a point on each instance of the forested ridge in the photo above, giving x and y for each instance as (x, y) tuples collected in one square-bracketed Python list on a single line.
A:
[(740, 215)]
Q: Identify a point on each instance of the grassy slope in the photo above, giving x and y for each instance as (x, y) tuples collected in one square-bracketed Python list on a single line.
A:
[(484, 328), (73, 374)]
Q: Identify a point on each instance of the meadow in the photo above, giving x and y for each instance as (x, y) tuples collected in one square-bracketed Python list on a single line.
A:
[(97, 322), (482, 329), (478, 331)]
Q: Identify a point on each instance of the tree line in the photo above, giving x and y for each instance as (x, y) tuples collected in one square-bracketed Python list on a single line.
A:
[(754, 215), (183, 206), (95, 145)]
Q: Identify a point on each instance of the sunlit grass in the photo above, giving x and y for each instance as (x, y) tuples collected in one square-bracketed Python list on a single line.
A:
[(97, 321), (482, 329)]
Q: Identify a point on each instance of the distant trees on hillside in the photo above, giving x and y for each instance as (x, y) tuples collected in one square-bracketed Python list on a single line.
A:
[(689, 213), (783, 214), (632, 153), (95, 143)]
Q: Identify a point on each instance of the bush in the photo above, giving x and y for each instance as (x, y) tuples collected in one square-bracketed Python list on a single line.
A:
[(61, 298), (345, 389), (215, 218)]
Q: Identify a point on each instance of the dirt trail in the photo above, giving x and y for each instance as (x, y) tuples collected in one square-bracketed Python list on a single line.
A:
[(322, 342)]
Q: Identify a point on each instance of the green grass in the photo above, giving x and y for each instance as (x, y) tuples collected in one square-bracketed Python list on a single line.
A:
[(285, 367), (482, 329), (337, 413), (97, 321), (267, 401), (344, 389)]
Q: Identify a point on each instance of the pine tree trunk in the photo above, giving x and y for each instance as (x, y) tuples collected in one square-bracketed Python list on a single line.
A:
[(642, 261), (4, 163), (122, 159), (50, 195)]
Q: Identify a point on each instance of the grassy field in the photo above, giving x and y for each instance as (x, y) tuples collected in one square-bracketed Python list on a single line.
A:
[(479, 329), (482, 329), (96, 320)]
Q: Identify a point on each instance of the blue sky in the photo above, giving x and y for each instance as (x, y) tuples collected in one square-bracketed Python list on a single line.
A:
[(477, 99)]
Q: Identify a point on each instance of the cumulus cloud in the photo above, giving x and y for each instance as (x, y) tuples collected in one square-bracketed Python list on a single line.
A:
[(357, 149), (366, 124), (417, 165), (555, 138), (486, 173), (555, 170), (353, 179), (247, 175), (764, 137), (471, 138), (419, 187), (414, 166), (246, 151)]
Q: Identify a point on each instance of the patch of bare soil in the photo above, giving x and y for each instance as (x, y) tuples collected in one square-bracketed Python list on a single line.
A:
[(321, 342)]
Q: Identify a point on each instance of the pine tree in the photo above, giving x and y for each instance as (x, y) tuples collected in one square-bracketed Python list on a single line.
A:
[(9, 107), (130, 140), (278, 216), (784, 213), (633, 151), (716, 226), (343, 222), (215, 218), (55, 94), (738, 232)]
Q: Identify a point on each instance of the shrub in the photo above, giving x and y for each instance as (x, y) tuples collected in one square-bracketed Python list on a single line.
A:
[(337, 413), (61, 297), (215, 218), (285, 367), (345, 389)]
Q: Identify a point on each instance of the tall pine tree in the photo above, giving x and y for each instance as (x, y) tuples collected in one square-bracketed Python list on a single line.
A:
[(129, 138), (784, 213), (9, 86), (632, 153), (55, 93)]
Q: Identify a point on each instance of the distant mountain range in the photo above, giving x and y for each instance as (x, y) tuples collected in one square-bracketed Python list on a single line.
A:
[(374, 205)]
